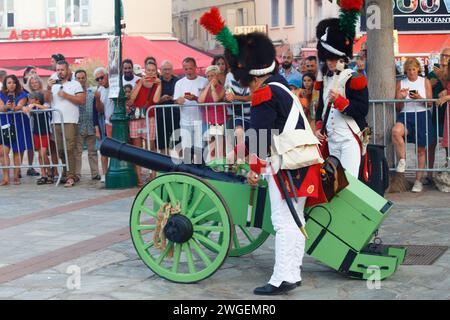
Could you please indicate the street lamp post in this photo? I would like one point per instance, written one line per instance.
(121, 175)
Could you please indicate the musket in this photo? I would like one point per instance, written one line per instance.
(288, 199)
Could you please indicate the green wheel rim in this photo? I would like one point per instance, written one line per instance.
(247, 240)
(201, 256)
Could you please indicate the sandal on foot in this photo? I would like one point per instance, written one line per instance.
(4, 183)
(69, 183)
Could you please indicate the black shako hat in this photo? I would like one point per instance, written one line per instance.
(256, 57)
(332, 42)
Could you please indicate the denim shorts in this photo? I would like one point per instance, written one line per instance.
(425, 129)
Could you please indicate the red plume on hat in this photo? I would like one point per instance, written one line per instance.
(212, 21)
(351, 5)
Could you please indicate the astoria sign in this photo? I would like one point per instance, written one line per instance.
(42, 34)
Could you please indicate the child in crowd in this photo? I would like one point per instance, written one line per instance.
(41, 132)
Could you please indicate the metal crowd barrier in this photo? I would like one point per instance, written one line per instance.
(434, 138)
(167, 124)
(17, 137)
(214, 125)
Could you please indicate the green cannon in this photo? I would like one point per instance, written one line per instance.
(186, 222)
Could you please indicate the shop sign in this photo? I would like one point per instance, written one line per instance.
(42, 34)
(419, 16)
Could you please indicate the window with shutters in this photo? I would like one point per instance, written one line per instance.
(7, 14)
(275, 13)
(289, 12)
(240, 17)
(52, 13)
(77, 12)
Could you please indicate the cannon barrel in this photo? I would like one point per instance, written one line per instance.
(161, 163)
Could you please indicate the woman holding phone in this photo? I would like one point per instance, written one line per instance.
(415, 119)
(12, 100)
(146, 94)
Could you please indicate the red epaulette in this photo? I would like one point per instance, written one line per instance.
(318, 85)
(261, 95)
(358, 82)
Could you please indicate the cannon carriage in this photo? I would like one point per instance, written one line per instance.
(186, 222)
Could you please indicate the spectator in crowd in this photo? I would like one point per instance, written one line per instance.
(444, 99)
(361, 61)
(311, 65)
(67, 97)
(87, 129)
(309, 97)
(128, 73)
(224, 68)
(295, 86)
(413, 88)
(302, 67)
(214, 116)
(288, 71)
(239, 115)
(146, 94)
(12, 101)
(187, 91)
(56, 58)
(29, 71)
(3, 74)
(41, 129)
(150, 59)
(137, 70)
(168, 121)
(105, 108)
(438, 78)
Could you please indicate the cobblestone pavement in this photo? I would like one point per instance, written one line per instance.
(46, 225)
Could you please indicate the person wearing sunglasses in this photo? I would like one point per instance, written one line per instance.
(105, 108)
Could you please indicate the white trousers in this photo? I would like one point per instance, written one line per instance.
(289, 241)
(348, 151)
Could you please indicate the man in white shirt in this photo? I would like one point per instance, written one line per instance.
(105, 106)
(67, 96)
(128, 73)
(187, 91)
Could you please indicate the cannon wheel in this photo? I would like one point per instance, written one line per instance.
(199, 257)
(247, 240)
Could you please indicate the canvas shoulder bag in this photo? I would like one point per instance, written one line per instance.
(295, 148)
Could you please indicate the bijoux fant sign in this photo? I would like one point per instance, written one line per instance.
(42, 34)
(420, 15)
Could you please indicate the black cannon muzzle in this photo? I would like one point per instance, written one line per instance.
(161, 163)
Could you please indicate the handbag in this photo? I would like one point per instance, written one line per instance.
(295, 148)
(8, 132)
(334, 179)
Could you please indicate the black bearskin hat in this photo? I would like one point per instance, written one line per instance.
(332, 42)
(256, 52)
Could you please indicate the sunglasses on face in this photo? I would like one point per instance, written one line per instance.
(100, 78)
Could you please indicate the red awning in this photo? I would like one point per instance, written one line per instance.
(139, 48)
(38, 53)
(420, 45)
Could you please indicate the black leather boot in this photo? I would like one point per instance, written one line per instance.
(270, 290)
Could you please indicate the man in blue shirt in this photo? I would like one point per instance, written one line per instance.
(287, 70)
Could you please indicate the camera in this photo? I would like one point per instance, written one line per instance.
(58, 81)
